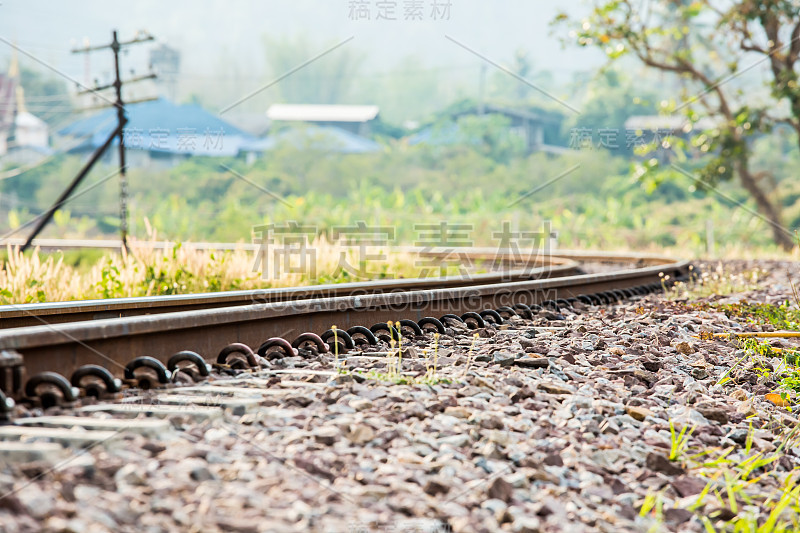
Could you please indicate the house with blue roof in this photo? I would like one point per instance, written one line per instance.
(341, 129)
(160, 132)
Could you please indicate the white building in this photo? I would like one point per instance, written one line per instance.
(30, 131)
(31, 140)
(24, 138)
(353, 118)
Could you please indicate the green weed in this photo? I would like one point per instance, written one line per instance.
(679, 441)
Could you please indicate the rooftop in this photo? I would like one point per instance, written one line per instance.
(162, 126)
(322, 113)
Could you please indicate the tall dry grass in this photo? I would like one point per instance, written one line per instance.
(148, 270)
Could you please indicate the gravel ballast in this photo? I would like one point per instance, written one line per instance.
(562, 423)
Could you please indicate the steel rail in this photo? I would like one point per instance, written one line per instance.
(25, 315)
(112, 342)
(565, 264)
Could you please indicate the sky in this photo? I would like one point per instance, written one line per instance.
(209, 31)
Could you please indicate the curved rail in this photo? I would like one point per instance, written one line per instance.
(25, 315)
(112, 342)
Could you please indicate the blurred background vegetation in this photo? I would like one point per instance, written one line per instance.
(598, 205)
(594, 197)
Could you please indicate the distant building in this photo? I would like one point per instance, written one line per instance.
(24, 138)
(30, 130)
(31, 139)
(539, 131)
(161, 133)
(353, 118)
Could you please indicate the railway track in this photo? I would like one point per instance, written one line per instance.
(25, 315)
(97, 349)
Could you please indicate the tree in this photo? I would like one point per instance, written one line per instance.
(613, 98)
(712, 47)
(327, 80)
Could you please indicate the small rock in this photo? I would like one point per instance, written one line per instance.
(739, 394)
(504, 358)
(410, 353)
(645, 375)
(37, 502)
(458, 411)
(526, 343)
(652, 365)
(457, 441)
(746, 408)
(638, 412)
(487, 421)
(523, 393)
(685, 348)
(154, 448)
(763, 445)
(716, 414)
(739, 436)
(677, 516)
(201, 473)
(533, 362)
(130, 474)
(659, 463)
(599, 344)
(360, 434)
(553, 459)
(721, 513)
(526, 525)
(362, 404)
(687, 486)
(497, 507)
(555, 388)
(326, 435)
(434, 487)
(500, 489)
(299, 400)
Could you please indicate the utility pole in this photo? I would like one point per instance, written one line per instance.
(115, 46)
(121, 119)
